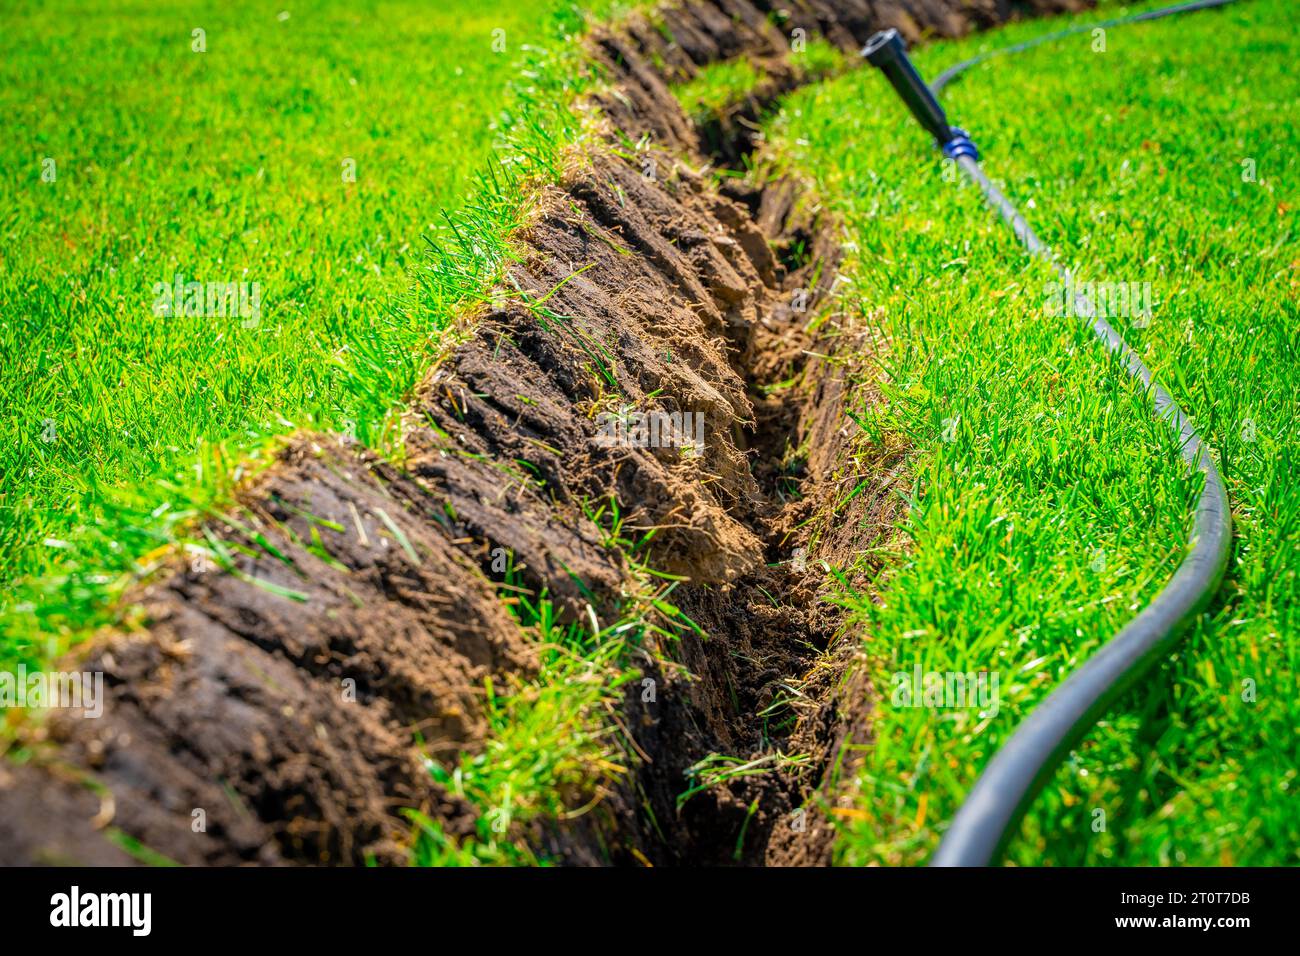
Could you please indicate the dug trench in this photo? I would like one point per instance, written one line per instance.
(290, 694)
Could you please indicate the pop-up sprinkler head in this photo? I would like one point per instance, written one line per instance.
(885, 50)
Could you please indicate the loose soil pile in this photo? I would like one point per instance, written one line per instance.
(291, 721)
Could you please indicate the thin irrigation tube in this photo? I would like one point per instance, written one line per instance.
(950, 74)
(984, 823)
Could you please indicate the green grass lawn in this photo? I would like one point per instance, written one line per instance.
(1045, 507)
(722, 85)
(304, 155)
(319, 154)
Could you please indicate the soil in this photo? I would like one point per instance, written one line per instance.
(285, 701)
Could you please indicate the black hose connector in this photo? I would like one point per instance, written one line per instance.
(886, 51)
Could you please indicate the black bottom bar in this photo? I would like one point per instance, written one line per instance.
(581, 908)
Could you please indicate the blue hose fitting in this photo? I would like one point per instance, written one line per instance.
(960, 145)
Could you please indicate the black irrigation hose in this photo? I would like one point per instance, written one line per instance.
(1013, 777)
(950, 74)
